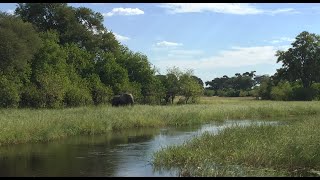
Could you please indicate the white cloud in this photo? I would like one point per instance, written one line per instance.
(282, 39)
(242, 56)
(226, 8)
(10, 11)
(168, 44)
(120, 37)
(231, 58)
(179, 53)
(124, 12)
(282, 11)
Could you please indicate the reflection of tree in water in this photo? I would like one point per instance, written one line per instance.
(74, 156)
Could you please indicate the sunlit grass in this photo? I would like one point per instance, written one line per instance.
(32, 125)
(285, 150)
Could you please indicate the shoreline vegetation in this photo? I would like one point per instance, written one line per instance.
(40, 125)
(286, 150)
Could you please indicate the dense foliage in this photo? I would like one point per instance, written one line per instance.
(53, 55)
(297, 79)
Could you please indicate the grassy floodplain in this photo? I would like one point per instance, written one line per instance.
(33, 125)
(256, 150)
(292, 149)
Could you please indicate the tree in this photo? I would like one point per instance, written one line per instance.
(81, 25)
(283, 91)
(111, 73)
(217, 84)
(138, 68)
(182, 83)
(232, 86)
(79, 59)
(302, 61)
(259, 78)
(9, 92)
(49, 71)
(265, 87)
(199, 80)
(18, 44)
(190, 87)
(173, 84)
(101, 94)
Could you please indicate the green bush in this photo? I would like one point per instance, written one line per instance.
(304, 94)
(181, 100)
(243, 93)
(77, 97)
(316, 88)
(231, 93)
(194, 100)
(209, 92)
(101, 94)
(281, 92)
(32, 97)
(149, 100)
(9, 92)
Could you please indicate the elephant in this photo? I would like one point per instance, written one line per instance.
(122, 99)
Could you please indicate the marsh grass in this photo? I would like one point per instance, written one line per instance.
(34, 125)
(285, 150)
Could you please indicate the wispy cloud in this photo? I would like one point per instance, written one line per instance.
(121, 38)
(124, 12)
(242, 56)
(180, 53)
(226, 8)
(282, 40)
(231, 58)
(10, 11)
(282, 11)
(167, 44)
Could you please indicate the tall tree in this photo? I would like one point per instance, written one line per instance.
(18, 44)
(81, 25)
(189, 86)
(302, 60)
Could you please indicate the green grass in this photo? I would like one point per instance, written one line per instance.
(285, 150)
(33, 125)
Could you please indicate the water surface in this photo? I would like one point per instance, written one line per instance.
(126, 153)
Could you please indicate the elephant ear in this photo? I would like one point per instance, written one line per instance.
(132, 97)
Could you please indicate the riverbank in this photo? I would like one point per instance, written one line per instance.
(34, 125)
(284, 150)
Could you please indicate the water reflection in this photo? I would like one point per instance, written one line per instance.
(126, 153)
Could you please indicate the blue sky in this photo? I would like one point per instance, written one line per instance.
(213, 39)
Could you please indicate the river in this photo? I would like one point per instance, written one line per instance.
(122, 153)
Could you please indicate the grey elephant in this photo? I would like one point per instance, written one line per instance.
(122, 99)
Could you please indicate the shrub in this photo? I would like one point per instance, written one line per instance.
(77, 96)
(32, 97)
(9, 92)
(209, 92)
(181, 100)
(101, 94)
(316, 88)
(304, 94)
(283, 91)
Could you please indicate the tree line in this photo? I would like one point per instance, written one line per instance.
(53, 55)
(297, 79)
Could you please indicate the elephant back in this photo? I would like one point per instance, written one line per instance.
(129, 98)
(122, 99)
(116, 100)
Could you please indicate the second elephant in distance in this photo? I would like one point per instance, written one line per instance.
(122, 100)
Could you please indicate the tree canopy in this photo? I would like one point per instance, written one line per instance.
(302, 60)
